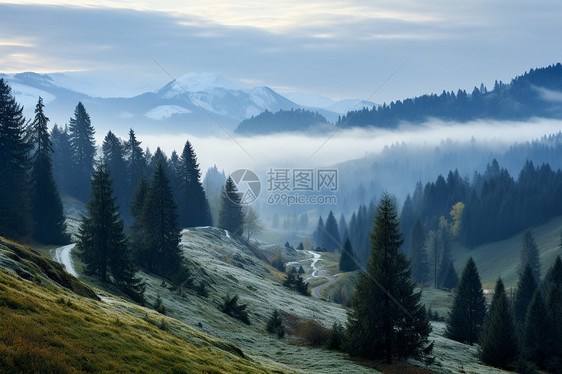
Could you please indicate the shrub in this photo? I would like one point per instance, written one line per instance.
(278, 262)
(275, 324)
(313, 333)
(295, 282)
(159, 305)
(337, 335)
(231, 307)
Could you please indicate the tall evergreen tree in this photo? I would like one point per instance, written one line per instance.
(136, 230)
(62, 159)
(231, 216)
(348, 262)
(161, 234)
(102, 241)
(467, 315)
(332, 238)
(320, 233)
(537, 343)
(526, 288)
(342, 225)
(48, 217)
(82, 141)
(498, 343)
(136, 163)
(530, 255)
(387, 319)
(418, 256)
(192, 201)
(113, 156)
(15, 205)
(447, 276)
(552, 286)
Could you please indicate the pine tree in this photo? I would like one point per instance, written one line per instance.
(467, 315)
(15, 206)
(161, 234)
(113, 156)
(332, 235)
(48, 216)
(192, 201)
(231, 216)
(82, 141)
(136, 232)
(343, 227)
(62, 159)
(447, 276)
(526, 288)
(136, 163)
(348, 262)
(387, 319)
(418, 256)
(102, 241)
(320, 233)
(537, 344)
(552, 286)
(530, 255)
(498, 343)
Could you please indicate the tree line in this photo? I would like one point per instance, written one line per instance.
(495, 205)
(517, 100)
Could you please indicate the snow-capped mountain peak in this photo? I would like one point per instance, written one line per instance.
(197, 82)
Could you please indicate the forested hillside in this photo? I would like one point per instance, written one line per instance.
(533, 94)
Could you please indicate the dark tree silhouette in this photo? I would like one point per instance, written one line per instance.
(348, 262)
(498, 343)
(231, 216)
(48, 217)
(467, 315)
(82, 141)
(387, 319)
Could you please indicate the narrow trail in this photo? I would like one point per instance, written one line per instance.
(62, 256)
(315, 292)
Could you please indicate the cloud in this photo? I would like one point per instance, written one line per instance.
(339, 49)
(296, 150)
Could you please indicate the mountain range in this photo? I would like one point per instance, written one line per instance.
(195, 103)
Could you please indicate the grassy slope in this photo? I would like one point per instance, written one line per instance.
(502, 258)
(48, 328)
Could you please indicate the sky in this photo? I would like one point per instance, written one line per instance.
(376, 50)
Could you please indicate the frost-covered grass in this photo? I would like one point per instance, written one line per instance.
(50, 322)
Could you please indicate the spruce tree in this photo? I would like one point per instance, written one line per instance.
(102, 241)
(348, 262)
(113, 156)
(537, 343)
(342, 225)
(136, 230)
(552, 286)
(387, 319)
(467, 315)
(418, 256)
(498, 342)
(231, 216)
(192, 201)
(320, 233)
(161, 235)
(15, 205)
(530, 255)
(48, 218)
(526, 288)
(82, 141)
(332, 235)
(136, 163)
(62, 159)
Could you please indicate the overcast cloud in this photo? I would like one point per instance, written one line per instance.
(340, 49)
